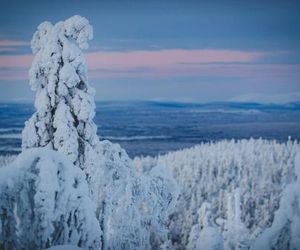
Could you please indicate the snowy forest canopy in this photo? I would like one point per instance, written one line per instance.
(69, 188)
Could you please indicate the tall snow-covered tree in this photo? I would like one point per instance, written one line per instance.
(63, 121)
(64, 102)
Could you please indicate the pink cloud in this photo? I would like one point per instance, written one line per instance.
(166, 58)
(12, 43)
(163, 63)
(258, 71)
(16, 61)
(7, 49)
(17, 74)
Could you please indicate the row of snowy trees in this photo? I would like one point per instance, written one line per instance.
(232, 192)
(67, 187)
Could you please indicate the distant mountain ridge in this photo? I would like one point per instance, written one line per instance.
(209, 106)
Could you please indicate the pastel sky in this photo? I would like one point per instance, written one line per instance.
(195, 51)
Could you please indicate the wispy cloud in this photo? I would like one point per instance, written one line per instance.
(13, 74)
(166, 58)
(7, 49)
(268, 98)
(12, 46)
(15, 61)
(163, 63)
(260, 72)
(13, 43)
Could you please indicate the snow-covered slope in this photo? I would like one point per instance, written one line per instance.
(242, 181)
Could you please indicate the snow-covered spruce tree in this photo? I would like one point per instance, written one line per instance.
(44, 201)
(132, 209)
(64, 99)
(63, 122)
(205, 235)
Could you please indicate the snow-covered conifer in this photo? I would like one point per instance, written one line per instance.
(132, 209)
(205, 235)
(44, 201)
(64, 99)
(63, 122)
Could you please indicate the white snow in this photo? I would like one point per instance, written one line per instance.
(45, 201)
(284, 233)
(122, 195)
(244, 182)
(6, 159)
(64, 247)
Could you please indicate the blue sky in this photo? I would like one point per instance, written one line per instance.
(167, 50)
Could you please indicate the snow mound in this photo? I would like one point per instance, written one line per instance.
(44, 201)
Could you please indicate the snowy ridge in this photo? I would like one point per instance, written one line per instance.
(241, 181)
(137, 138)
